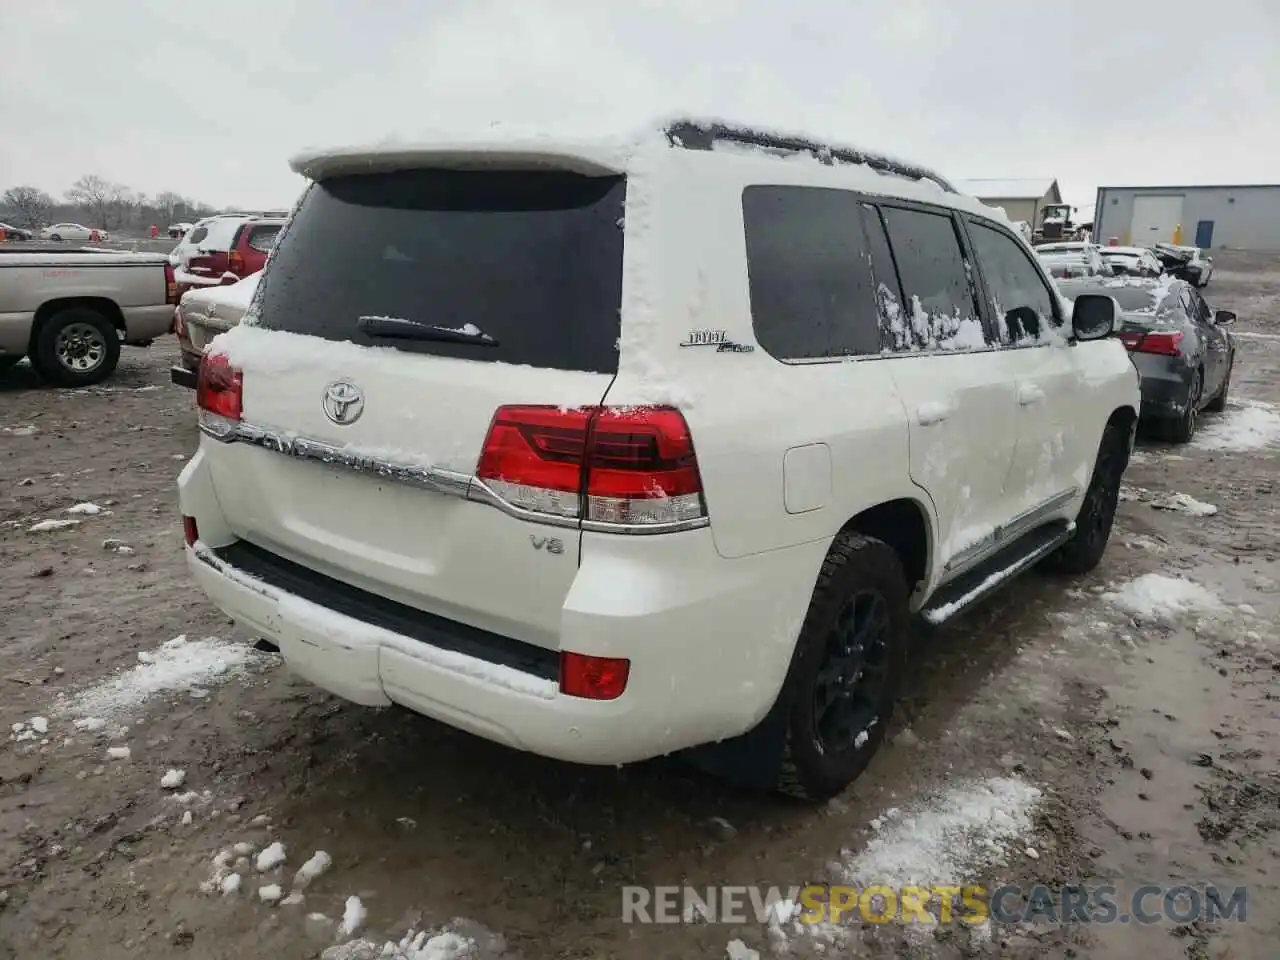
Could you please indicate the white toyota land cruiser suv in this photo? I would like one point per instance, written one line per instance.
(608, 453)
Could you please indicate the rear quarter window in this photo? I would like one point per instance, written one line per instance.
(263, 239)
(809, 273)
(521, 267)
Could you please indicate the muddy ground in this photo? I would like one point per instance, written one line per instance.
(1148, 737)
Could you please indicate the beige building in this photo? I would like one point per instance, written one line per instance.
(1022, 199)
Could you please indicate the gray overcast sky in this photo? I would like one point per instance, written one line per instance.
(210, 99)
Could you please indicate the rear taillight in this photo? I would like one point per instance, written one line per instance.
(1167, 344)
(219, 393)
(235, 263)
(170, 284)
(593, 678)
(190, 532)
(632, 466)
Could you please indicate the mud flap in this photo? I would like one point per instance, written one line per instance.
(751, 761)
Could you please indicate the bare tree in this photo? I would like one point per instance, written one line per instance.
(170, 203)
(30, 205)
(101, 198)
(123, 204)
(94, 194)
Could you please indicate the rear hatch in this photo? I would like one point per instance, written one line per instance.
(251, 245)
(439, 295)
(205, 251)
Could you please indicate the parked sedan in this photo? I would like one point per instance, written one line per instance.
(71, 231)
(1132, 261)
(13, 233)
(1181, 347)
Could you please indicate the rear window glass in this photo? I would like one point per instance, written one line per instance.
(520, 267)
(1132, 298)
(219, 234)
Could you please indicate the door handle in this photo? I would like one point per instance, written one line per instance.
(928, 414)
(1029, 393)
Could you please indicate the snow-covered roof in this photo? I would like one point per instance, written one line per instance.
(599, 153)
(1027, 188)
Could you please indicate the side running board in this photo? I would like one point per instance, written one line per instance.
(984, 579)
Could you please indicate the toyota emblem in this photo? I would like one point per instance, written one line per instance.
(343, 402)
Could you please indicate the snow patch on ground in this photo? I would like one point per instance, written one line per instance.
(948, 838)
(177, 664)
(271, 857)
(353, 916)
(945, 839)
(1184, 503)
(1246, 425)
(318, 864)
(1155, 595)
(44, 526)
(85, 510)
(459, 940)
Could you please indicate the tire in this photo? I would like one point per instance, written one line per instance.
(1097, 515)
(861, 583)
(1219, 403)
(1183, 428)
(56, 238)
(75, 348)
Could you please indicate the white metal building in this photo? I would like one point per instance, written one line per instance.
(1022, 199)
(1237, 217)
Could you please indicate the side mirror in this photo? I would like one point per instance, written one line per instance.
(1224, 317)
(1093, 317)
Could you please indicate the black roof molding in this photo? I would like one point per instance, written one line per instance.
(703, 135)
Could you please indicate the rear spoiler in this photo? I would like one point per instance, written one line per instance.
(590, 160)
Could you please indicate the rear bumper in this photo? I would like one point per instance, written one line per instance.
(709, 641)
(1165, 385)
(146, 324)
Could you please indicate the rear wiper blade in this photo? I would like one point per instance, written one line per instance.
(399, 329)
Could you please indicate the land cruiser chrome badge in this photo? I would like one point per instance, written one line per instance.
(343, 402)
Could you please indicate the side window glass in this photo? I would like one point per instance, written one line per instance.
(888, 290)
(809, 273)
(1184, 298)
(1021, 301)
(939, 310)
(1202, 311)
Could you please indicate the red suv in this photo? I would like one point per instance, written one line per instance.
(220, 245)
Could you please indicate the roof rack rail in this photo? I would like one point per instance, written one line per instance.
(699, 135)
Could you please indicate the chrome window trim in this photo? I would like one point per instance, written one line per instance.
(438, 479)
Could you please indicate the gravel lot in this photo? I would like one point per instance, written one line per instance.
(1061, 733)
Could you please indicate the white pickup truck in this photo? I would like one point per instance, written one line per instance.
(71, 311)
